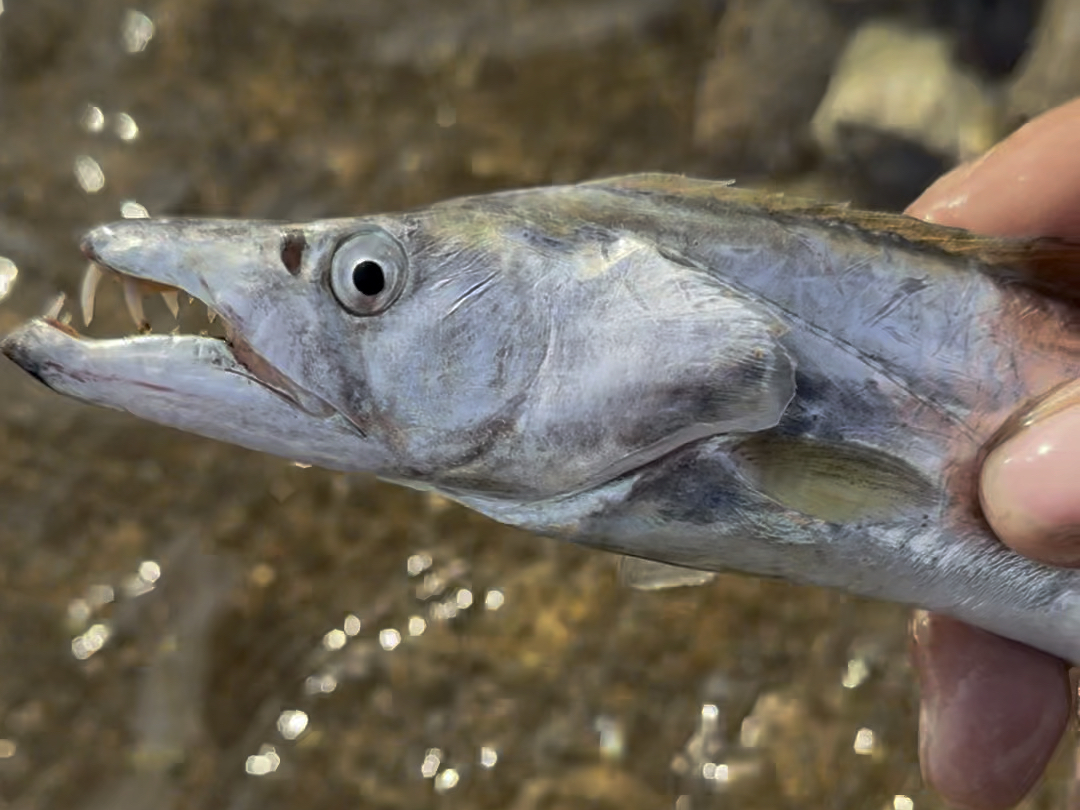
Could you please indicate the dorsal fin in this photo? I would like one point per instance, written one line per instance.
(1047, 264)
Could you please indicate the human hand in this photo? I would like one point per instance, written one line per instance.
(994, 710)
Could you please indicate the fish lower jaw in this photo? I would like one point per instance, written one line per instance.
(54, 352)
(208, 326)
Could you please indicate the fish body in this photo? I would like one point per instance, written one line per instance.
(669, 369)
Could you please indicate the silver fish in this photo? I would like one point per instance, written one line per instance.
(666, 368)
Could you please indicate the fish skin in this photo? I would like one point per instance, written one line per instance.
(666, 368)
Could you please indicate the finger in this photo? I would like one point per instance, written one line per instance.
(1030, 489)
(1028, 185)
(993, 711)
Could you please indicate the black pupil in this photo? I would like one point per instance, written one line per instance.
(368, 278)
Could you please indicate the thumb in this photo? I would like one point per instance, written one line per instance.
(1030, 489)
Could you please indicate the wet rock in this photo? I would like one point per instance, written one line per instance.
(1050, 72)
(754, 105)
(904, 81)
(899, 110)
(989, 36)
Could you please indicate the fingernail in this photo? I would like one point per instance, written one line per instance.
(949, 192)
(1031, 489)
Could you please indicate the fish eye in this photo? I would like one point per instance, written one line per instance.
(367, 272)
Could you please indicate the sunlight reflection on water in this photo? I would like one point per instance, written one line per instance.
(8, 273)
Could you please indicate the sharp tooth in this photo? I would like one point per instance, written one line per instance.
(90, 282)
(211, 315)
(172, 301)
(52, 312)
(133, 300)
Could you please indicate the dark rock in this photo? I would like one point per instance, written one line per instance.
(757, 94)
(991, 35)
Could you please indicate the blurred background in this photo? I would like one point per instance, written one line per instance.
(188, 625)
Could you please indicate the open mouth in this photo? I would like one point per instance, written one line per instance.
(197, 318)
(134, 292)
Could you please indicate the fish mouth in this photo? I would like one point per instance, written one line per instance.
(30, 347)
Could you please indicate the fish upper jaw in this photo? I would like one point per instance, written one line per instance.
(220, 387)
(196, 257)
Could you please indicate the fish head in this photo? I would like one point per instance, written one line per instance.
(486, 348)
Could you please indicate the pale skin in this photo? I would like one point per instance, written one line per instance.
(993, 710)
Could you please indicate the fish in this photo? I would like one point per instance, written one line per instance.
(697, 377)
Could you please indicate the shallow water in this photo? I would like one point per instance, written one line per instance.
(188, 625)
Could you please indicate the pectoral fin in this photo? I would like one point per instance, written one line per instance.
(833, 481)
